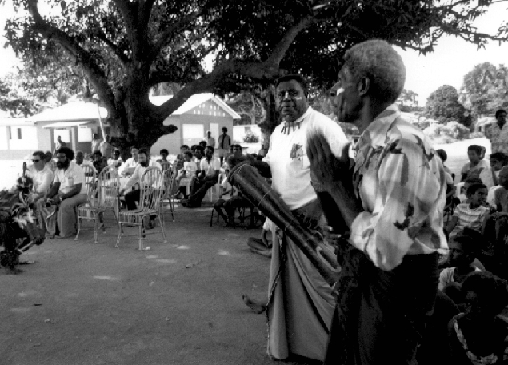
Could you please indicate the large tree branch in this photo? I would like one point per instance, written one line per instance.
(255, 70)
(130, 18)
(116, 50)
(175, 28)
(144, 12)
(94, 73)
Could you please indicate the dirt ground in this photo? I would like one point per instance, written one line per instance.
(178, 303)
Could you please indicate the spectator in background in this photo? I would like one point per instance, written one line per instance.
(210, 141)
(49, 161)
(188, 171)
(472, 214)
(500, 198)
(224, 142)
(42, 176)
(129, 166)
(133, 196)
(59, 143)
(99, 161)
(497, 161)
(463, 252)
(116, 160)
(479, 335)
(96, 142)
(68, 191)
(80, 160)
(497, 133)
(202, 144)
(163, 161)
(477, 166)
(106, 148)
(207, 177)
(450, 186)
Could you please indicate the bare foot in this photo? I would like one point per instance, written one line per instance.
(258, 308)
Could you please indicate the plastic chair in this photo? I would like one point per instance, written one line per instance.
(102, 198)
(167, 179)
(151, 189)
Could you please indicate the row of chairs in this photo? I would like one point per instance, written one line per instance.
(103, 195)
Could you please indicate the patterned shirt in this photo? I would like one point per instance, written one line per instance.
(498, 137)
(402, 185)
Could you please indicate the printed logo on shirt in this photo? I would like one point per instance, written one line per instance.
(296, 151)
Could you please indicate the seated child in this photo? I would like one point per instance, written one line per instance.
(477, 166)
(463, 251)
(479, 335)
(500, 198)
(497, 161)
(472, 213)
(462, 188)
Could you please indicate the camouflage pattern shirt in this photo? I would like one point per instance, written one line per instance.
(402, 185)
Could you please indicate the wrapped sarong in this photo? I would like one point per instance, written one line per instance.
(300, 306)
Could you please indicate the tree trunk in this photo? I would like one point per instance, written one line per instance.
(272, 118)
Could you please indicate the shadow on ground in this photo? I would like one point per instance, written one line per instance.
(179, 303)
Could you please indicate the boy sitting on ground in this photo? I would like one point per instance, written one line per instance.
(472, 214)
(463, 251)
(477, 166)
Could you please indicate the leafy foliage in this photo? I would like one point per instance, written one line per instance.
(443, 105)
(15, 104)
(485, 89)
(125, 48)
(248, 106)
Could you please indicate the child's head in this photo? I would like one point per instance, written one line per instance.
(464, 248)
(486, 295)
(442, 155)
(503, 177)
(470, 181)
(474, 153)
(477, 194)
(498, 160)
(187, 156)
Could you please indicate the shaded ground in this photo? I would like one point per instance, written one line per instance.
(82, 303)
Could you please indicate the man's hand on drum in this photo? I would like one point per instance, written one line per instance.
(328, 169)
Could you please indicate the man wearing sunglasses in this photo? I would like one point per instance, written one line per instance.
(68, 191)
(42, 176)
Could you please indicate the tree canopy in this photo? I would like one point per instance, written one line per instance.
(443, 105)
(485, 89)
(125, 48)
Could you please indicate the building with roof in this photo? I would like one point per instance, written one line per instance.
(78, 120)
(200, 113)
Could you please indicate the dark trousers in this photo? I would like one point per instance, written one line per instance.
(131, 198)
(201, 187)
(229, 206)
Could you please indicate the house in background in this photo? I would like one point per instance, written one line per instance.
(75, 122)
(78, 120)
(201, 112)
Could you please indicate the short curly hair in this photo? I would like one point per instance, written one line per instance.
(69, 153)
(376, 60)
(492, 291)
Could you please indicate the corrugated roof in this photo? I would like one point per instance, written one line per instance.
(194, 101)
(72, 112)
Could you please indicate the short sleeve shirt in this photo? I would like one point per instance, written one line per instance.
(209, 167)
(498, 137)
(70, 177)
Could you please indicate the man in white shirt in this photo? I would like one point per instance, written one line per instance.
(128, 167)
(206, 178)
(80, 160)
(116, 161)
(42, 176)
(68, 191)
(210, 141)
(133, 195)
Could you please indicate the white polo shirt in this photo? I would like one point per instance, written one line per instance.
(70, 177)
(209, 167)
(287, 157)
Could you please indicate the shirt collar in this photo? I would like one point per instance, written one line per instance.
(289, 127)
(379, 127)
